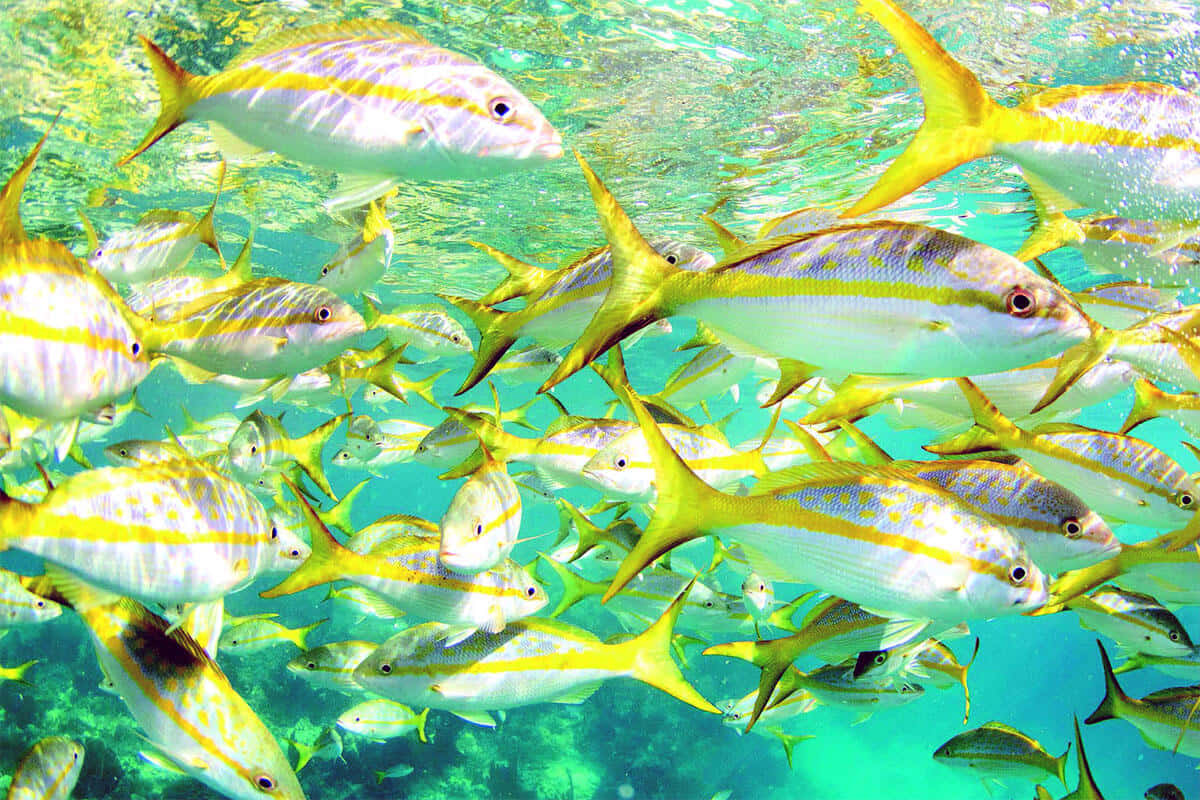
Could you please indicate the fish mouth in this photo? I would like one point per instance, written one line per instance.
(550, 150)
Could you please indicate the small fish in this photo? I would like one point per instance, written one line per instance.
(1136, 622)
(713, 371)
(48, 771)
(257, 635)
(1166, 719)
(362, 104)
(532, 661)
(360, 263)
(397, 771)
(527, 365)
(364, 603)
(161, 299)
(17, 673)
(392, 527)
(328, 746)
(160, 243)
(482, 523)
(429, 329)
(261, 443)
(19, 606)
(380, 720)
(180, 698)
(758, 596)
(996, 751)
(1185, 667)
(835, 685)
(331, 666)
(1119, 477)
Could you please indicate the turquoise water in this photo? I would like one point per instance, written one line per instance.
(760, 108)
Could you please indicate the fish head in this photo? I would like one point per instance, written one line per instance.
(287, 550)
(1005, 581)
(757, 593)
(1037, 311)
(1086, 540)
(473, 528)
(622, 468)
(529, 595)
(490, 127)
(683, 255)
(364, 439)
(325, 324)
(263, 771)
(247, 450)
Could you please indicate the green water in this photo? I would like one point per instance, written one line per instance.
(760, 107)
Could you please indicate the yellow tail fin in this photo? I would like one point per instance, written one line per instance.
(175, 95)
(11, 229)
(1075, 362)
(495, 337)
(307, 452)
(1146, 398)
(772, 657)
(575, 587)
(522, 278)
(1051, 232)
(957, 113)
(204, 225)
(327, 561)
(299, 636)
(649, 655)
(339, 516)
(634, 300)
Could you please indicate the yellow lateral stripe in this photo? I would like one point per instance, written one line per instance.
(170, 236)
(13, 325)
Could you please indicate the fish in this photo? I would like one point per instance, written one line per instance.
(380, 720)
(17, 673)
(19, 606)
(391, 527)
(360, 263)
(1150, 402)
(261, 443)
(328, 745)
(1122, 304)
(331, 665)
(1166, 719)
(711, 372)
(48, 771)
(395, 771)
(363, 602)
(794, 527)
(835, 685)
(480, 527)
(996, 751)
(68, 343)
(533, 660)
(254, 636)
(1129, 149)
(1136, 622)
(1185, 667)
(1164, 791)
(407, 572)
(937, 304)
(558, 303)
(527, 365)
(366, 98)
(427, 328)
(392, 441)
(170, 532)
(1119, 477)
(758, 596)
(161, 299)
(264, 328)
(162, 242)
(1167, 568)
(180, 698)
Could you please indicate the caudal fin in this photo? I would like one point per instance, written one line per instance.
(575, 587)
(339, 516)
(522, 278)
(495, 338)
(307, 452)
(11, 229)
(772, 657)
(636, 297)
(650, 661)
(1146, 400)
(204, 225)
(1114, 697)
(175, 95)
(326, 562)
(957, 113)
(992, 429)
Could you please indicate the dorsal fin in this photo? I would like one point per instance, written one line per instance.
(11, 229)
(325, 32)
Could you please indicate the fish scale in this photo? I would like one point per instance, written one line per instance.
(171, 532)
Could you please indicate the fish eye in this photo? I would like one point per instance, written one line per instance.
(295, 553)
(501, 110)
(708, 603)
(324, 270)
(762, 587)
(880, 658)
(1017, 575)
(1020, 302)
(531, 591)
(672, 258)
(253, 449)
(479, 529)
(98, 252)
(323, 314)
(1184, 500)
(621, 463)
(136, 349)
(123, 453)
(1173, 636)
(312, 665)
(274, 533)
(1072, 528)
(385, 669)
(456, 338)
(42, 604)
(233, 641)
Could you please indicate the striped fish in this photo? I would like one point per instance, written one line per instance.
(532, 661)
(360, 263)
(161, 299)
(160, 243)
(255, 635)
(482, 522)
(1131, 149)
(426, 328)
(1058, 530)
(331, 666)
(171, 532)
(265, 328)
(367, 98)
(929, 660)
(48, 771)
(19, 606)
(1114, 246)
(558, 303)
(68, 343)
(1136, 622)
(181, 699)
(1119, 477)
(380, 720)
(903, 299)
(261, 443)
(833, 630)
(872, 535)
(407, 572)
(393, 440)
(713, 371)
(1166, 719)
(390, 528)
(835, 685)
(1166, 568)
(996, 751)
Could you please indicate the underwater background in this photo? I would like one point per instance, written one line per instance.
(757, 108)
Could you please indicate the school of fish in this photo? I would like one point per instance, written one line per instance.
(841, 573)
